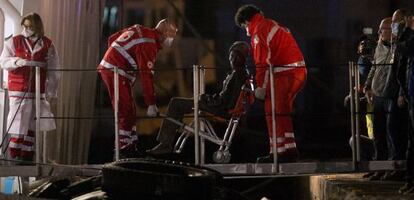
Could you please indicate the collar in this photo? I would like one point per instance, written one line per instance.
(254, 23)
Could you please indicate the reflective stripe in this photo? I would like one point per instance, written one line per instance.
(278, 140)
(19, 94)
(289, 66)
(125, 133)
(27, 148)
(290, 145)
(138, 41)
(269, 38)
(125, 54)
(29, 139)
(14, 145)
(269, 52)
(125, 140)
(281, 69)
(289, 135)
(123, 49)
(281, 149)
(120, 71)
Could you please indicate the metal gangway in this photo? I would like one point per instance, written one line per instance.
(229, 170)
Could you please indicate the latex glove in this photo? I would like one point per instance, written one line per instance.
(23, 62)
(152, 110)
(260, 93)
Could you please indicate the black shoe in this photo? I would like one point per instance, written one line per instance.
(407, 186)
(130, 151)
(393, 176)
(376, 176)
(160, 149)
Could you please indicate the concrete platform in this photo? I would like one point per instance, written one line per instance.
(352, 187)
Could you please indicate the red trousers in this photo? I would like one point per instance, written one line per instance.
(287, 84)
(126, 107)
(22, 146)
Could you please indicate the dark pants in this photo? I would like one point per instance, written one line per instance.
(177, 107)
(410, 150)
(390, 129)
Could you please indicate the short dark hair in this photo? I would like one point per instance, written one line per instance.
(245, 13)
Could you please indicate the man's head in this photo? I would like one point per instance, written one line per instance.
(384, 30)
(238, 53)
(245, 14)
(32, 25)
(168, 31)
(399, 19)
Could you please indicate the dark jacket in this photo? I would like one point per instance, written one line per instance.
(404, 55)
(225, 100)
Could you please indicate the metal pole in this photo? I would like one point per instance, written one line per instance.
(196, 87)
(357, 110)
(275, 167)
(116, 104)
(351, 102)
(202, 125)
(37, 102)
(44, 150)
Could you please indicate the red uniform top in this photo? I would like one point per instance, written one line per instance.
(18, 79)
(133, 50)
(272, 45)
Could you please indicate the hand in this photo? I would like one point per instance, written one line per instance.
(346, 100)
(23, 62)
(369, 95)
(260, 93)
(401, 101)
(152, 111)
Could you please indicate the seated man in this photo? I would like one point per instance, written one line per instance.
(217, 104)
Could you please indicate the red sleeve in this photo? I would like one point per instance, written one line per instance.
(114, 36)
(261, 50)
(146, 55)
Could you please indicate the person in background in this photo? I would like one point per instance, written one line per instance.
(21, 55)
(404, 62)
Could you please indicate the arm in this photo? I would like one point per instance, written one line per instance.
(8, 59)
(146, 55)
(52, 77)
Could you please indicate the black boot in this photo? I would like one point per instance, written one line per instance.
(130, 151)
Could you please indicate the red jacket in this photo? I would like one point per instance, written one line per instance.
(131, 49)
(18, 79)
(274, 45)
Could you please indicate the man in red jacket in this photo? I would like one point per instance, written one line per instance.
(274, 45)
(133, 51)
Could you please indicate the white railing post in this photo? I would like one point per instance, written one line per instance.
(116, 113)
(38, 138)
(351, 103)
(202, 87)
(275, 167)
(196, 87)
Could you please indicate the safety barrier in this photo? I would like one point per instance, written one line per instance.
(247, 169)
